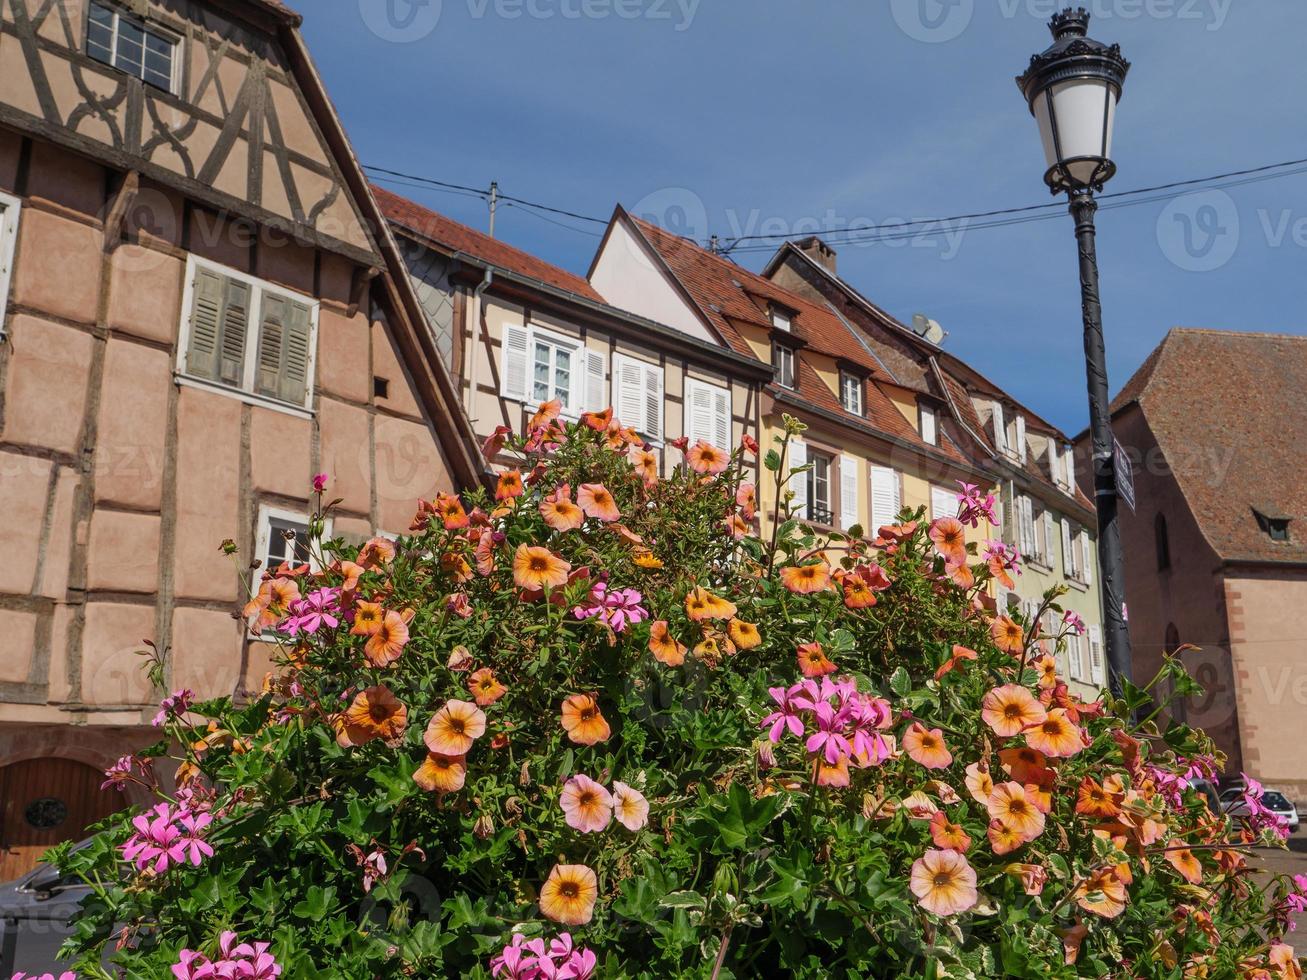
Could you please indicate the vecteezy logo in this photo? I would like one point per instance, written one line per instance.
(1199, 232)
(933, 21)
(401, 21)
(676, 210)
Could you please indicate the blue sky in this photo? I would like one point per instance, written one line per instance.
(735, 117)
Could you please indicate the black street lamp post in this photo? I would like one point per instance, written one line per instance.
(1073, 89)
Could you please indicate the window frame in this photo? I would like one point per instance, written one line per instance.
(816, 509)
(263, 536)
(924, 412)
(851, 381)
(10, 214)
(782, 354)
(172, 38)
(580, 378)
(687, 410)
(258, 289)
(781, 320)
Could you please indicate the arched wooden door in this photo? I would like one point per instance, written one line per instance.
(44, 802)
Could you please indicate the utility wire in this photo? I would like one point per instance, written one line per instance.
(485, 193)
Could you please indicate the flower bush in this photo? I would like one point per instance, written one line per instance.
(592, 725)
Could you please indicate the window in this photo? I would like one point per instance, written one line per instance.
(1027, 539)
(708, 413)
(886, 496)
(539, 365)
(1163, 542)
(1096, 654)
(1277, 528)
(638, 395)
(120, 40)
(8, 236)
(244, 334)
(819, 496)
(782, 358)
(780, 319)
(283, 537)
(929, 425)
(851, 392)
(943, 503)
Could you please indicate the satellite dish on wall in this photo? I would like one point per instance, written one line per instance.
(927, 329)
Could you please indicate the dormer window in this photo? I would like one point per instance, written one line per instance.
(929, 425)
(115, 38)
(851, 392)
(780, 319)
(782, 359)
(1276, 528)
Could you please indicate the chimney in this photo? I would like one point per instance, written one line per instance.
(818, 251)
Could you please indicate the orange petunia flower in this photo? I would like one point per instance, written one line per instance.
(947, 835)
(1094, 800)
(451, 512)
(706, 459)
(376, 553)
(960, 656)
(509, 486)
(857, 593)
(561, 514)
(367, 618)
(746, 498)
(744, 635)
(1104, 894)
(943, 882)
(813, 661)
(1056, 735)
(441, 773)
(1008, 636)
(597, 502)
(374, 713)
(454, 728)
(546, 413)
(950, 539)
(980, 784)
(582, 720)
(962, 575)
(536, 569)
(272, 603)
(598, 421)
(1033, 877)
(646, 559)
(665, 647)
(1011, 709)
(568, 894)
(387, 641)
(736, 526)
(1024, 764)
(646, 466)
(926, 747)
(702, 604)
(1186, 863)
(835, 775)
(709, 649)
(485, 687)
(1009, 804)
(1047, 667)
(1002, 838)
(806, 579)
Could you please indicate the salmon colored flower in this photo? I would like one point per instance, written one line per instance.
(451, 512)
(597, 502)
(441, 773)
(1009, 804)
(1011, 709)
(598, 421)
(561, 514)
(587, 806)
(568, 894)
(744, 635)
(387, 642)
(630, 807)
(1008, 636)
(536, 569)
(1095, 800)
(455, 727)
(737, 527)
(709, 649)
(546, 413)
(1055, 736)
(1033, 877)
(702, 604)
(1186, 864)
(806, 579)
(962, 575)
(948, 836)
(376, 553)
(1024, 764)
(1002, 838)
(1281, 956)
(961, 654)
(1104, 894)
(665, 647)
(813, 661)
(746, 498)
(834, 774)
(950, 540)
(485, 687)
(943, 882)
(509, 486)
(1047, 668)
(272, 603)
(706, 459)
(582, 720)
(926, 747)
(980, 784)
(374, 713)
(367, 618)
(646, 466)
(857, 593)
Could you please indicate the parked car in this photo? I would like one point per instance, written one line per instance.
(36, 913)
(1232, 803)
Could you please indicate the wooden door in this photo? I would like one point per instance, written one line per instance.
(44, 802)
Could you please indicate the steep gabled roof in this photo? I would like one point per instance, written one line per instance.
(1227, 411)
(450, 236)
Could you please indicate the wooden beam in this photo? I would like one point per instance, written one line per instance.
(118, 208)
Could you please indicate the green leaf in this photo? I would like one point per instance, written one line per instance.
(684, 900)
(900, 682)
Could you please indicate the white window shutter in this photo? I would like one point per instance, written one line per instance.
(929, 429)
(1068, 555)
(628, 392)
(1054, 463)
(596, 387)
(1021, 438)
(943, 503)
(884, 496)
(515, 364)
(653, 397)
(1070, 458)
(1087, 561)
(1096, 653)
(1000, 427)
(1050, 535)
(799, 484)
(850, 505)
(721, 418)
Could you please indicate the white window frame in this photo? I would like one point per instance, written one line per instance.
(648, 372)
(827, 506)
(258, 289)
(852, 385)
(781, 320)
(263, 535)
(783, 354)
(119, 15)
(584, 372)
(580, 377)
(8, 248)
(687, 408)
(929, 424)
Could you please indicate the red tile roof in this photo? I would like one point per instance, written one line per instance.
(445, 233)
(1228, 413)
(281, 10)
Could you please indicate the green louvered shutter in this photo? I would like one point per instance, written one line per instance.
(205, 325)
(235, 325)
(272, 345)
(295, 354)
(284, 340)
